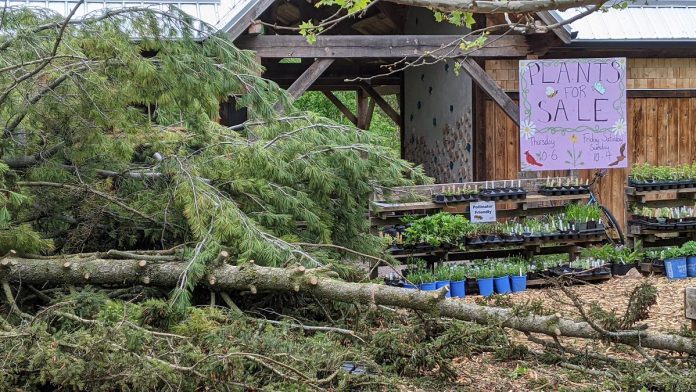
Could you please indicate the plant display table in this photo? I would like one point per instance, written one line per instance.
(517, 232)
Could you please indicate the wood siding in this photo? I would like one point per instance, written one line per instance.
(668, 73)
(660, 131)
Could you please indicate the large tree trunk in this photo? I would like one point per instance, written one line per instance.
(76, 271)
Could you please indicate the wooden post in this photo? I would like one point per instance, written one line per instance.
(363, 104)
(690, 305)
(384, 105)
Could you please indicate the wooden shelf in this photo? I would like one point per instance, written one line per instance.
(653, 236)
(385, 213)
(570, 246)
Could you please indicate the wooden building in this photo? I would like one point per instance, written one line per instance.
(464, 127)
(660, 45)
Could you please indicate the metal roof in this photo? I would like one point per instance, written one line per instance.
(670, 21)
(221, 14)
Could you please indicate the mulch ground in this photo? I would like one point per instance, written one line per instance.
(485, 373)
(667, 315)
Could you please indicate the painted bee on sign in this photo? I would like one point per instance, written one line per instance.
(551, 92)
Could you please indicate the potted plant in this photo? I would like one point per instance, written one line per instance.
(689, 250)
(518, 276)
(442, 279)
(484, 280)
(624, 259)
(458, 276)
(675, 263)
(501, 278)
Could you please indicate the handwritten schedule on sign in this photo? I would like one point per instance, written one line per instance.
(573, 114)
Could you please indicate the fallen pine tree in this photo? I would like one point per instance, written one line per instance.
(87, 270)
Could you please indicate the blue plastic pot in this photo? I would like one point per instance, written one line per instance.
(458, 289)
(675, 268)
(485, 286)
(428, 286)
(691, 266)
(502, 284)
(409, 286)
(443, 283)
(518, 283)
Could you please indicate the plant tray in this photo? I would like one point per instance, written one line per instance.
(661, 185)
(662, 226)
(564, 190)
(503, 194)
(461, 198)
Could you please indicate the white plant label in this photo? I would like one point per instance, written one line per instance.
(482, 211)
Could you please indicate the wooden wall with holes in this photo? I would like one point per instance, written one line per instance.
(661, 124)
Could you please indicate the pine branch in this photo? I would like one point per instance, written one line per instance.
(103, 195)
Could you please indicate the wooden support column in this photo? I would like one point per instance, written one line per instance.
(491, 88)
(341, 107)
(365, 109)
(384, 105)
(479, 130)
(309, 76)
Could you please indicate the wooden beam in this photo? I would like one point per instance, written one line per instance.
(381, 46)
(341, 107)
(560, 31)
(491, 88)
(384, 105)
(309, 76)
(236, 27)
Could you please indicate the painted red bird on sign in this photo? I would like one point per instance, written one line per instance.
(530, 159)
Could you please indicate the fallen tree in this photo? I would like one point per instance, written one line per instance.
(250, 277)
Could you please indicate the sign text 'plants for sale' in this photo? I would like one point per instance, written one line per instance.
(573, 114)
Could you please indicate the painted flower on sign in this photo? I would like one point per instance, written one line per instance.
(573, 138)
(619, 127)
(527, 129)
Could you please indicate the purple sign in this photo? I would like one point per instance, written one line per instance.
(573, 114)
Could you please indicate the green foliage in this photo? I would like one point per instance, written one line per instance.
(438, 229)
(382, 128)
(577, 212)
(124, 150)
(614, 254)
(689, 248)
(643, 172)
(431, 346)
(672, 253)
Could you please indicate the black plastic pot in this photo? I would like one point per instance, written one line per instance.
(622, 269)
(471, 286)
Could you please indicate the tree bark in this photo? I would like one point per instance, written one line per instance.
(82, 271)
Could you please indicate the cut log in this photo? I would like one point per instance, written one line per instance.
(42, 272)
